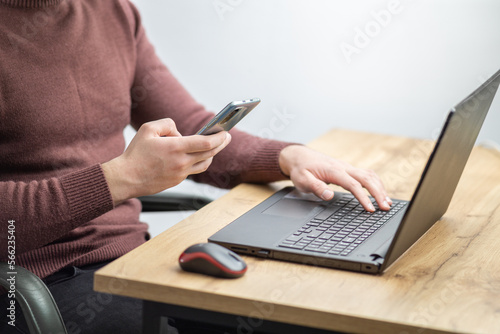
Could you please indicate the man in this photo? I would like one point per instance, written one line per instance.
(73, 74)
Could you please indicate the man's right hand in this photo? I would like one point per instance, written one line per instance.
(159, 157)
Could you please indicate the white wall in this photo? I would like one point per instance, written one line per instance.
(419, 61)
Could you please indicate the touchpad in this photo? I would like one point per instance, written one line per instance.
(293, 208)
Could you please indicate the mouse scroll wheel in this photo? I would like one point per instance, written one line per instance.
(235, 257)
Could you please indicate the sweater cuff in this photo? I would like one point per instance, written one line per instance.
(266, 163)
(87, 193)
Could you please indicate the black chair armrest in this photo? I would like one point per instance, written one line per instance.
(39, 308)
(169, 201)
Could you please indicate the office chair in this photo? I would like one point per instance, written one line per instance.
(39, 308)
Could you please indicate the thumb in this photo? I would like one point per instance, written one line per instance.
(311, 184)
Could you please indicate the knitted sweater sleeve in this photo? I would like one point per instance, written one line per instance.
(156, 94)
(35, 213)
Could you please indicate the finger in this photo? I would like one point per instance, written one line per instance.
(362, 197)
(349, 183)
(374, 185)
(199, 143)
(200, 156)
(160, 128)
(201, 166)
(308, 183)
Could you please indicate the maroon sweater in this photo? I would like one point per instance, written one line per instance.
(73, 74)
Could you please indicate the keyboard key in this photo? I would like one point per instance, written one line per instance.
(315, 233)
(291, 246)
(293, 238)
(349, 240)
(327, 212)
(317, 250)
(343, 226)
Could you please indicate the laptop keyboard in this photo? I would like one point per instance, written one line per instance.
(340, 228)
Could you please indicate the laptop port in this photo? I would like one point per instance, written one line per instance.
(239, 249)
(263, 253)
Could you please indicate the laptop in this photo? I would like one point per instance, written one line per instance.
(301, 228)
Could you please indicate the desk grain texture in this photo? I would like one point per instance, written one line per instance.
(448, 282)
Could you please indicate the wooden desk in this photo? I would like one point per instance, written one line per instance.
(448, 282)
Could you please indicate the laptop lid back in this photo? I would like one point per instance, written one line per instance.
(444, 168)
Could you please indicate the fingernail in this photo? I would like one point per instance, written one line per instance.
(386, 204)
(371, 207)
(388, 199)
(327, 194)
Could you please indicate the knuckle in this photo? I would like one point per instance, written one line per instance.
(146, 127)
(369, 176)
(206, 164)
(179, 164)
(206, 145)
(169, 122)
(177, 146)
(354, 184)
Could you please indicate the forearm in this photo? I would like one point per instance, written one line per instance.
(46, 210)
(247, 159)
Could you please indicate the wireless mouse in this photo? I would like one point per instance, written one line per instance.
(212, 259)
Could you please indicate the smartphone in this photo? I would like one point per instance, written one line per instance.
(229, 116)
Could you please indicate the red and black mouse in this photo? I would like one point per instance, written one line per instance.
(212, 259)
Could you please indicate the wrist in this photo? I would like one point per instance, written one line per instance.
(286, 157)
(119, 183)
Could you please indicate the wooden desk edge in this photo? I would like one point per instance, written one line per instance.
(253, 309)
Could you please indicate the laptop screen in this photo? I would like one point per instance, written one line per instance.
(444, 168)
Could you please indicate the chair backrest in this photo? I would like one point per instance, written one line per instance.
(39, 308)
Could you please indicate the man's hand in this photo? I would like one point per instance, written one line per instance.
(159, 158)
(311, 171)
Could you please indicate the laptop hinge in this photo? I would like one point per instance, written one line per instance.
(377, 259)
